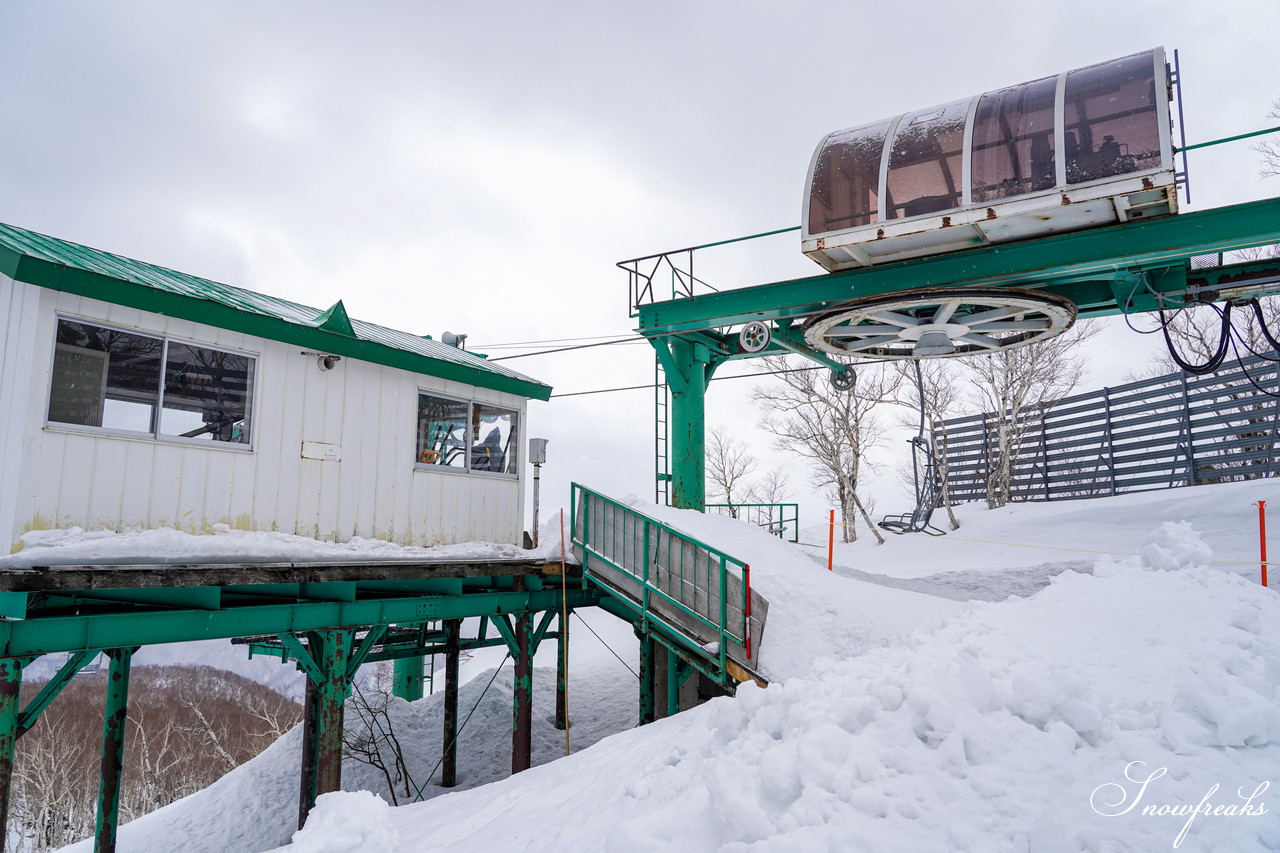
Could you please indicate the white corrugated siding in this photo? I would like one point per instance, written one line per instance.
(66, 478)
(19, 310)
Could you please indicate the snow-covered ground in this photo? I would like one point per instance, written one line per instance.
(1120, 701)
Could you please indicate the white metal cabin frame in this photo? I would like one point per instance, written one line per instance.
(1065, 205)
(332, 454)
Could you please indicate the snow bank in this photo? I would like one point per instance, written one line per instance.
(1015, 726)
(165, 545)
(347, 823)
(255, 806)
(1029, 534)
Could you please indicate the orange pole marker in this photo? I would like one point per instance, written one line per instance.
(1262, 538)
(831, 543)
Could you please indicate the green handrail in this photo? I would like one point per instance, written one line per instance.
(635, 544)
(762, 515)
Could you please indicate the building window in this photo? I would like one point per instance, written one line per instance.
(127, 382)
(467, 436)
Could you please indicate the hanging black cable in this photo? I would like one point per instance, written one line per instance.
(1215, 361)
(1262, 325)
(1245, 372)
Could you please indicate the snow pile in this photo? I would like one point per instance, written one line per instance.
(1029, 534)
(1013, 727)
(347, 823)
(75, 545)
(255, 806)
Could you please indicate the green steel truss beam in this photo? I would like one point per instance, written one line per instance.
(52, 688)
(1081, 266)
(43, 634)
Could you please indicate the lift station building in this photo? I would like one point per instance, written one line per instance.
(136, 396)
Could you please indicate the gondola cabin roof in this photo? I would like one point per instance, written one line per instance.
(1080, 149)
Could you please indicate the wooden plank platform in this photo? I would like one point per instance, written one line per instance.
(136, 575)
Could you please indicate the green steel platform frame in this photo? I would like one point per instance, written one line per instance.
(327, 617)
(1104, 271)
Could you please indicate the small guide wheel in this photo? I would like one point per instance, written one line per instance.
(755, 336)
(843, 380)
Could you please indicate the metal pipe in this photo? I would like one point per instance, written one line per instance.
(1226, 139)
(537, 471)
(708, 245)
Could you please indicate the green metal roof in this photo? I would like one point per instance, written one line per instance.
(60, 265)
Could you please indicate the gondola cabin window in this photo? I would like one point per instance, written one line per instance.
(135, 384)
(466, 436)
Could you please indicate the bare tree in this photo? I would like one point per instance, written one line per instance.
(772, 489)
(1017, 385)
(729, 461)
(831, 429)
(1270, 148)
(176, 715)
(371, 739)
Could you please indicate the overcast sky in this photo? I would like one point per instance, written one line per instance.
(480, 167)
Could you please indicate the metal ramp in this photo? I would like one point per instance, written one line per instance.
(692, 598)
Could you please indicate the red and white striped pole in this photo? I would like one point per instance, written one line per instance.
(1262, 538)
(831, 543)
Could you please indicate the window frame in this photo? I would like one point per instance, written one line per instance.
(154, 434)
(466, 470)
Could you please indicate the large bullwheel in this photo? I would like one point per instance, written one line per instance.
(940, 323)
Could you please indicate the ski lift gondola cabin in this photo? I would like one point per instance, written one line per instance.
(1081, 149)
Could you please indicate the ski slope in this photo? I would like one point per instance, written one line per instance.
(1123, 699)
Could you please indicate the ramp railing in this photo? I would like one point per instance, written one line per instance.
(693, 593)
(782, 520)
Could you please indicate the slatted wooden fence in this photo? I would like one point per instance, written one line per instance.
(1172, 430)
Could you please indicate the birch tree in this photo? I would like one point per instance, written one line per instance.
(832, 430)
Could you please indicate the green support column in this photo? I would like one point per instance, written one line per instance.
(406, 678)
(331, 697)
(307, 793)
(562, 675)
(673, 683)
(688, 424)
(647, 685)
(325, 660)
(522, 725)
(114, 720)
(10, 684)
(452, 648)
